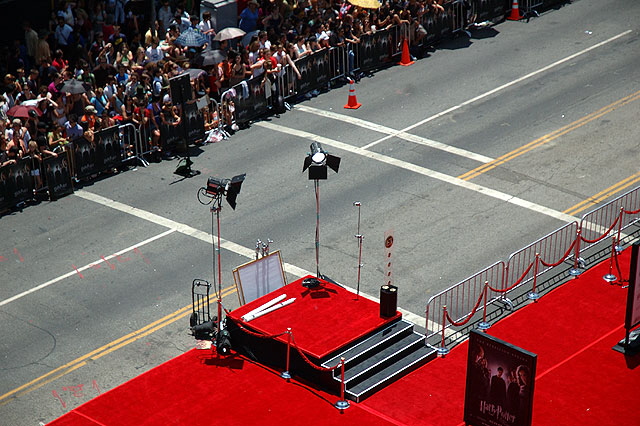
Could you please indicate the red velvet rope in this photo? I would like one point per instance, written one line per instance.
(311, 364)
(564, 257)
(260, 335)
(630, 212)
(304, 357)
(603, 235)
(471, 314)
(524, 274)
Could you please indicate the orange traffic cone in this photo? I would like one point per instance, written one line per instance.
(515, 12)
(353, 102)
(406, 57)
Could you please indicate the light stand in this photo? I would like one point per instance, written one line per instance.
(214, 191)
(316, 162)
(360, 237)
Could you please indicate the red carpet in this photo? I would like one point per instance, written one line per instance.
(580, 379)
(314, 312)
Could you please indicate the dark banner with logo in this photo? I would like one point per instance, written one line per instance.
(315, 71)
(16, 183)
(374, 49)
(57, 173)
(500, 379)
(108, 150)
(85, 158)
(193, 122)
(250, 101)
(172, 137)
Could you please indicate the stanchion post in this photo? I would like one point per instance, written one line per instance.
(484, 325)
(286, 374)
(533, 294)
(617, 247)
(610, 278)
(343, 403)
(575, 271)
(442, 350)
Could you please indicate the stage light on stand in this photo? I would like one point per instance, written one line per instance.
(317, 162)
(213, 193)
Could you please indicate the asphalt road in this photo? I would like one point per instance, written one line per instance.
(96, 285)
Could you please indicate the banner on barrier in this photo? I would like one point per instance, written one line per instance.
(16, 183)
(193, 122)
(374, 49)
(314, 70)
(57, 172)
(108, 150)
(172, 137)
(84, 157)
(500, 379)
(250, 101)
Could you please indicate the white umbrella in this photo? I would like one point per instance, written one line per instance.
(229, 33)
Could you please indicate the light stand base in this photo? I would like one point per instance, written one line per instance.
(310, 282)
(633, 347)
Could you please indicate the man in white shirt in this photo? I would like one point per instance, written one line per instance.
(62, 33)
(165, 14)
(207, 27)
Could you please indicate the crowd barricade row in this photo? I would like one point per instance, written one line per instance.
(553, 254)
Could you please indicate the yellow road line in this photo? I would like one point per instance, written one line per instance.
(604, 194)
(549, 137)
(103, 350)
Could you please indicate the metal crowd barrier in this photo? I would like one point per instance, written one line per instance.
(553, 255)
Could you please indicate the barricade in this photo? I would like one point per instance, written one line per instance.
(461, 301)
(458, 13)
(249, 101)
(315, 71)
(552, 249)
(337, 63)
(528, 7)
(105, 152)
(614, 216)
(449, 313)
(373, 50)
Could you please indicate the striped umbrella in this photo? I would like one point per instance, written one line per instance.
(192, 37)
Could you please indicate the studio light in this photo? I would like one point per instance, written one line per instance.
(317, 162)
(230, 188)
(223, 342)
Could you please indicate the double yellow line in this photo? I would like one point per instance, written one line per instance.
(603, 195)
(549, 137)
(102, 351)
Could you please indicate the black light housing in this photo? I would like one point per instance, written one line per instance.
(318, 160)
(230, 188)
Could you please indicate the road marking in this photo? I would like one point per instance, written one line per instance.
(101, 351)
(78, 270)
(403, 135)
(224, 244)
(604, 194)
(500, 88)
(421, 170)
(549, 137)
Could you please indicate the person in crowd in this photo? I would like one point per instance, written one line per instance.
(207, 27)
(72, 128)
(249, 17)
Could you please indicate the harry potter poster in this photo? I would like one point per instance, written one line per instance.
(500, 378)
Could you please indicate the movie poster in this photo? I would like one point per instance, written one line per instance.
(500, 379)
(85, 157)
(633, 296)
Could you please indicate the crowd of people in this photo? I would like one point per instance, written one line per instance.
(125, 61)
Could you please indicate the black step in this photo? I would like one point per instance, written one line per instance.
(366, 367)
(401, 367)
(382, 338)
